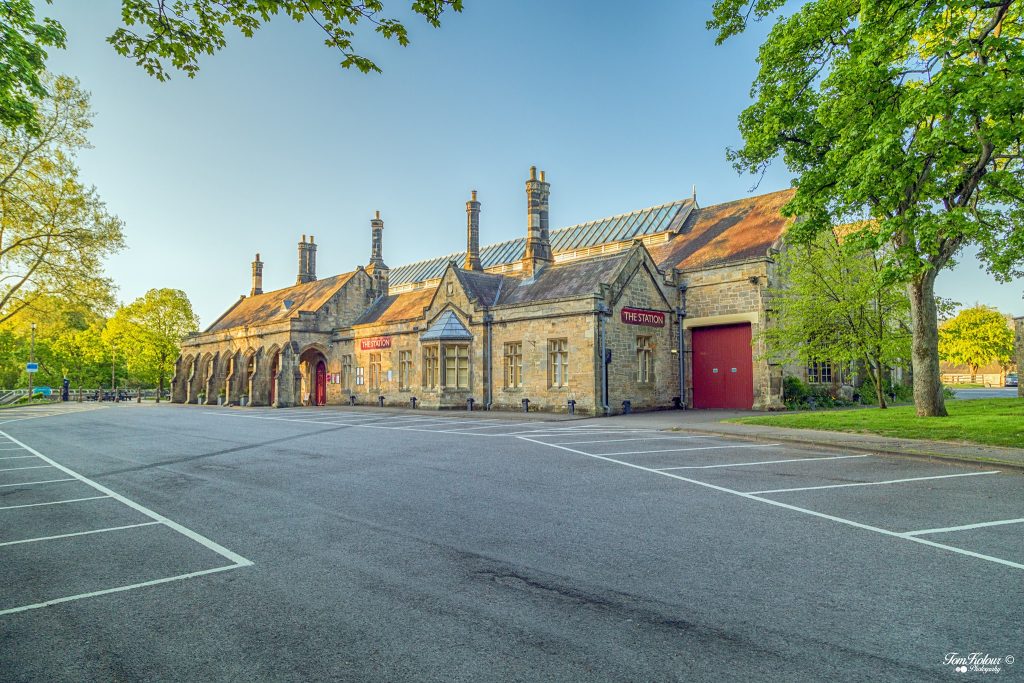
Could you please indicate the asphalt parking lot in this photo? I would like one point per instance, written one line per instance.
(188, 543)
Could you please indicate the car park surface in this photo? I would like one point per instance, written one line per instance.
(203, 543)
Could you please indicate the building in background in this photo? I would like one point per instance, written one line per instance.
(649, 309)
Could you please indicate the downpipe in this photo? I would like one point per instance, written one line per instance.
(602, 314)
(680, 317)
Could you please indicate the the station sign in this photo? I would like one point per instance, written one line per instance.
(640, 316)
(374, 343)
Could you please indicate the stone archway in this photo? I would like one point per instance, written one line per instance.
(313, 373)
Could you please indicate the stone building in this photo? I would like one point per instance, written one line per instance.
(1019, 352)
(649, 309)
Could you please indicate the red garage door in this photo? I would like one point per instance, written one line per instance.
(723, 367)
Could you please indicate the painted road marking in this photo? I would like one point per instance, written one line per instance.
(636, 438)
(53, 502)
(965, 527)
(762, 462)
(787, 506)
(873, 483)
(29, 483)
(16, 457)
(696, 448)
(31, 467)
(236, 559)
(78, 533)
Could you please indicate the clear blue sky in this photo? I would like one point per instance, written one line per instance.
(623, 108)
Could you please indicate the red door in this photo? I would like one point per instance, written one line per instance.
(274, 369)
(723, 367)
(321, 384)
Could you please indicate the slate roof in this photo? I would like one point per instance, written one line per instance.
(271, 307)
(446, 327)
(603, 231)
(723, 233)
(397, 307)
(563, 280)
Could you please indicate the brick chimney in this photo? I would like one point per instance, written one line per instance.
(307, 261)
(257, 276)
(473, 234)
(377, 268)
(538, 243)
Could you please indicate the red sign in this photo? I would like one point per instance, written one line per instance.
(639, 316)
(375, 343)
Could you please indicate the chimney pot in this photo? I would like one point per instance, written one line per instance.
(474, 195)
(533, 173)
(378, 214)
(542, 176)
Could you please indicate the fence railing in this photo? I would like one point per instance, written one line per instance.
(994, 379)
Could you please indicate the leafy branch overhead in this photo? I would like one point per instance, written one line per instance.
(180, 32)
(908, 114)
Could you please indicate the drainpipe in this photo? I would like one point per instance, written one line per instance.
(602, 313)
(680, 316)
(489, 384)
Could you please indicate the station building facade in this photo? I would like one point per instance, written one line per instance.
(655, 308)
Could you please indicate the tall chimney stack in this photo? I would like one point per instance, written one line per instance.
(377, 268)
(473, 234)
(538, 243)
(307, 261)
(257, 276)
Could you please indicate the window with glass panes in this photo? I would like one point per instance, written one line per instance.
(558, 362)
(456, 366)
(404, 369)
(644, 360)
(513, 365)
(375, 370)
(430, 367)
(819, 373)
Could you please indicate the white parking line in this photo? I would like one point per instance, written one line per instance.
(787, 506)
(52, 502)
(16, 457)
(637, 438)
(144, 584)
(500, 424)
(29, 483)
(696, 448)
(78, 533)
(31, 467)
(873, 483)
(762, 462)
(965, 527)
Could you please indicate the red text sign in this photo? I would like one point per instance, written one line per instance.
(639, 316)
(375, 343)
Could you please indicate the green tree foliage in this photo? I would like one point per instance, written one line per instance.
(906, 113)
(836, 304)
(159, 34)
(147, 333)
(23, 62)
(54, 230)
(976, 337)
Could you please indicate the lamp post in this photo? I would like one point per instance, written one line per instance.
(32, 359)
(113, 394)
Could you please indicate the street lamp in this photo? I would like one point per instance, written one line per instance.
(31, 361)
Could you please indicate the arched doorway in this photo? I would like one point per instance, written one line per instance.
(275, 368)
(320, 385)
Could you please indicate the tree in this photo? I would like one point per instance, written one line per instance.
(54, 230)
(836, 304)
(23, 62)
(976, 337)
(148, 331)
(179, 33)
(905, 113)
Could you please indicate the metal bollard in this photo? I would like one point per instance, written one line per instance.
(572, 406)
(413, 402)
(627, 407)
(526, 405)
(351, 400)
(380, 401)
(469, 404)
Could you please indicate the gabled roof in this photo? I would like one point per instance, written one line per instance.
(723, 233)
(397, 307)
(280, 304)
(447, 327)
(603, 231)
(563, 280)
(484, 287)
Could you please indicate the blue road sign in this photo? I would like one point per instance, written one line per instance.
(31, 367)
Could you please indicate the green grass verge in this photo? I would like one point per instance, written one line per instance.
(992, 421)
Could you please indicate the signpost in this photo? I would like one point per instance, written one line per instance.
(32, 367)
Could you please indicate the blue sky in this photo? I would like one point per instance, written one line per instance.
(622, 109)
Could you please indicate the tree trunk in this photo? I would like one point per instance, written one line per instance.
(924, 326)
(879, 389)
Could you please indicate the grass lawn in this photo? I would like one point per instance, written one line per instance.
(992, 421)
